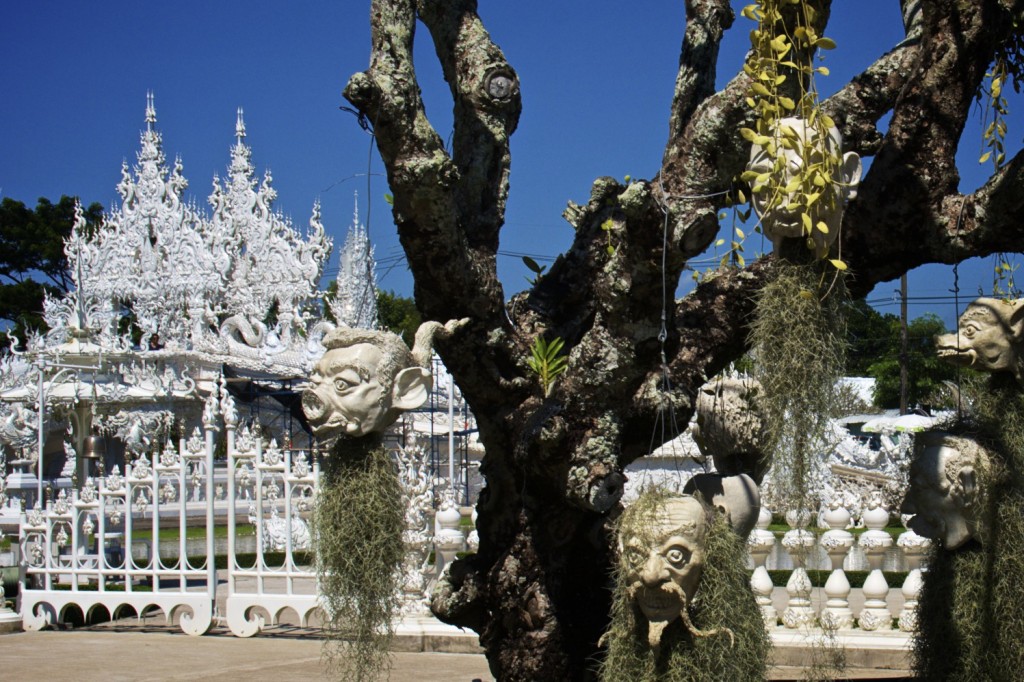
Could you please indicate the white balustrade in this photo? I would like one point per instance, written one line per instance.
(875, 541)
(837, 542)
(914, 549)
(798, 542)
(760, 543)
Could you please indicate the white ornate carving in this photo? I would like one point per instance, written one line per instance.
(418, 500)
(231, 287)
(355, 301)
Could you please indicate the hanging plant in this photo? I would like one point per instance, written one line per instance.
(357, 529)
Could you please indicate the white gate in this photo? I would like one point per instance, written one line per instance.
(279, 486)
(100, 546)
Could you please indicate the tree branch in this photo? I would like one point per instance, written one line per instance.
(706, 22)
(910, 193)
(485, 90)
(421, 174)
(857, 108)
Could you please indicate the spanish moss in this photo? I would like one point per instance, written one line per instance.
(357, 534)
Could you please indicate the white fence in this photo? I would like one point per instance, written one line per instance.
(100, 546)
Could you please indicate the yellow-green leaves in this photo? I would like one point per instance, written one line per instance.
(609, 225)
(547, 362)
(995, 112)
(797, 170)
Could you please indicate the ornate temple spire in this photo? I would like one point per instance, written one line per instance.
(236, 285)
(355, 303)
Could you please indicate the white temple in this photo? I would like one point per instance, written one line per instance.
(171, 304)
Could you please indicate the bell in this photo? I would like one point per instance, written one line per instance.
(95, 446)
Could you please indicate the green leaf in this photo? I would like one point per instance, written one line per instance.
(824, 43)
(985, 157)
(390, 199)
(532, 265)
(837, 264)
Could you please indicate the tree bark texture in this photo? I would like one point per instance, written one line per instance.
(537, 590)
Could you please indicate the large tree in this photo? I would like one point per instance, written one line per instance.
(537, 589)
(32, 260)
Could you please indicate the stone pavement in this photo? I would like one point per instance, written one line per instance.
(425, 650)
(164, 654)
(116, 652)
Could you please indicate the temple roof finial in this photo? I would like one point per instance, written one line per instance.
(150, 110)
(240, 126)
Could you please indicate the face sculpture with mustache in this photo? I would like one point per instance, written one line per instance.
(665, 560)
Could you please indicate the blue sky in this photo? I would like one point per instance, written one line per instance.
(596, 90)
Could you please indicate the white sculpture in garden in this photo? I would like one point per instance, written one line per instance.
(989, 337)
(948, 480)
(366, 378)
(798, 142)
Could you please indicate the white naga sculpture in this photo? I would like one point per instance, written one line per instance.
(664, 559)
(949, 481)
(989, 338)
(777, 219)
(366, 378)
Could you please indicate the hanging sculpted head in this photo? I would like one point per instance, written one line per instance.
(949, 480)
(662, 554)
(989, 337)
(366, 378)
(780, 222)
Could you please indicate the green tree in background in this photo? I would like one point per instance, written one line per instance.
(875, 352)
(32, 260)
(398, 314)
(870, 337)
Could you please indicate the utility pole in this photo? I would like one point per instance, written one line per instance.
(903, 344)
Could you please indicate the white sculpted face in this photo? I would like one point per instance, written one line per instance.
(345, 396)
(666, 561)
(989, 337)
(357, 390)
(780, 222)
(944, 494)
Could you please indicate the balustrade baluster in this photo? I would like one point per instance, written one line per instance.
(760, 543)
(799, 542)
(874, 541)
(914, 549)
(837, 542)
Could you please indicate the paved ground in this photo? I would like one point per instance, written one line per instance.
(150, 650)
(89, 655)
(120, 653)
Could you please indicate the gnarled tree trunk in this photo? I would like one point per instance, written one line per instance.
(537, 591)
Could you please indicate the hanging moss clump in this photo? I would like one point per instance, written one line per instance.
(971, 608)
(799, 341)
(357, 537)
(723, 600)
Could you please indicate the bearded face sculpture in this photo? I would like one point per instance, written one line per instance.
(663, 556)
(989, 337)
